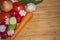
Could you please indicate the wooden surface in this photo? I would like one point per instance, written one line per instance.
(45, 24)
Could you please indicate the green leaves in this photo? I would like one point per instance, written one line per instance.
(30, 1)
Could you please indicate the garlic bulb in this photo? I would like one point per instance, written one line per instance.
(31, 7)
(2, 28)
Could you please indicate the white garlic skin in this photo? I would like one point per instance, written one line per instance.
(30, 7)
(2, 28)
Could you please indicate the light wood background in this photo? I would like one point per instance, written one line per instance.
(45, 24)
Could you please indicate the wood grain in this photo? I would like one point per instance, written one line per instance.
(45, 24)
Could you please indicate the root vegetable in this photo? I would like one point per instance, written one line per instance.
(19, 18)
(6, 6)
(14, 13)
(4, 35)
(22, 24)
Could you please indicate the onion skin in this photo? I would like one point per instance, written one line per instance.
(6, 6)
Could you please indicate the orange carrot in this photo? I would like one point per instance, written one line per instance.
(22, 24)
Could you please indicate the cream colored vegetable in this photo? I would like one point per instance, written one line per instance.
(6, 6)
(31, 7)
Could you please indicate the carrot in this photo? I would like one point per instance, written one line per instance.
(22, 24)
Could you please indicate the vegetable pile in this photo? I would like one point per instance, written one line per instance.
(13, 12)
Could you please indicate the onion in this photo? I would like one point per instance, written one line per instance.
(4, 35)
(6, 25)
(6, 6)
(19, 18)
(14, 13)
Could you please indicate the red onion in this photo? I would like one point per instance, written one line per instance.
(4, 35)
(19, 18)
(6, 25)
(14, 13)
